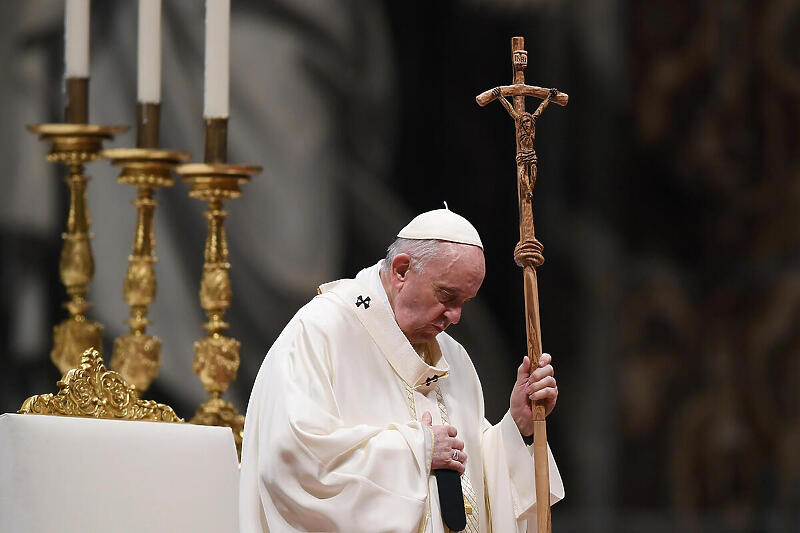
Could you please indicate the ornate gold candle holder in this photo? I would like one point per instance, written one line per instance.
(136, 355)
(74, 145)
(216, 357)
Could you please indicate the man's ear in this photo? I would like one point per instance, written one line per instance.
(401, 264)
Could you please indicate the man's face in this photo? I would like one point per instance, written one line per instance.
(426, 302)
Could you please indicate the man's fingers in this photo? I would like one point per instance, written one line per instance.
(547, 392)
(427, 419)
(541, 373)
(449, 453)
(457, 465)
(461, 456)
(545, 359)
(548, 381)
(451, 431)
(524, 369)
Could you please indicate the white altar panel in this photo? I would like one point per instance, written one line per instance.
(69, 474)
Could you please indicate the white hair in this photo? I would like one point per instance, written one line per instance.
(420, 250)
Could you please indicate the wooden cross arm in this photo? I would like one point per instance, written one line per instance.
(489, 96)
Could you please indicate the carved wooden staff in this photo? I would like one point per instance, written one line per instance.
(528, 252)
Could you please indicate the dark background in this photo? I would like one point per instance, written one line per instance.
(667, 201)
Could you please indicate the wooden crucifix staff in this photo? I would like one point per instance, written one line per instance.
(528, 252)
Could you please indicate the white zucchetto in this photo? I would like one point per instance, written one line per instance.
(443, 225)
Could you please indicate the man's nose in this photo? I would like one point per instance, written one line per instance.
(453, 315)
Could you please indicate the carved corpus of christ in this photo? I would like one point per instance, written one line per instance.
(526, 128)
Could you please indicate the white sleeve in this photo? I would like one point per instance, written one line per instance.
(509, 476)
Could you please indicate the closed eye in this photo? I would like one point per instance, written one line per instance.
(445, 296)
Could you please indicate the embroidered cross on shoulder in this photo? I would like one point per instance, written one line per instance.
(363, 301)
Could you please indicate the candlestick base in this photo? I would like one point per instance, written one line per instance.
(70, 338)
(218, 412)
(137, 356)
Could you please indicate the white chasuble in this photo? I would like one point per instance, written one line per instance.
(333, 441)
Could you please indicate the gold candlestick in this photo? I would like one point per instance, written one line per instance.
(74, 144)
(136, 355)
(216, 357)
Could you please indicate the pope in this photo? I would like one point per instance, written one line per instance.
(363, 398)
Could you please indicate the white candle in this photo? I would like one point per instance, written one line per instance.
(76, 39)
(149, 67)
(218, 18)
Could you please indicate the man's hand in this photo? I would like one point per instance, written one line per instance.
(448, 451)
(538, 385)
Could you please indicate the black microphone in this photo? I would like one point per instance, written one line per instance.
(451, 499)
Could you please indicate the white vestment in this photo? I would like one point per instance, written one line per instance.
(332, 438)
